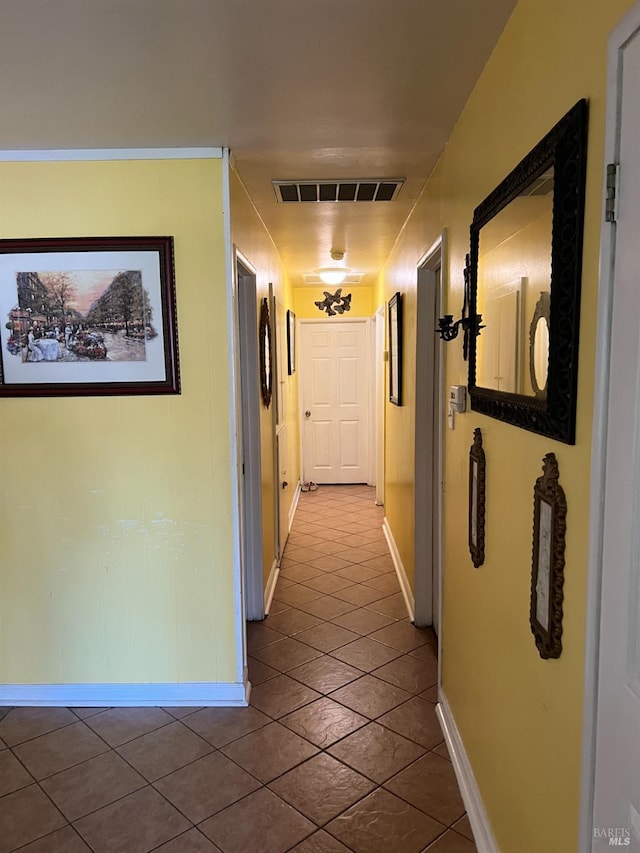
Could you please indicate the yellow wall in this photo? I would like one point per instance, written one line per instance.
(520, 717)
(361, 302)
(116, 541)
(254, 242)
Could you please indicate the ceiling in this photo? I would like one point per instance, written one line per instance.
(297, 89)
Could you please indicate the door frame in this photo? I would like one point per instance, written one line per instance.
(319, 322)
(429, 437)
(629, 24)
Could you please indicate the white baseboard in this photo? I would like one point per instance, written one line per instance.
(485, 842)
(403, 580)
(294, 504)
(270, 588)
(209, 694)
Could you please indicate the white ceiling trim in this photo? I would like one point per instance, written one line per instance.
(87, 154)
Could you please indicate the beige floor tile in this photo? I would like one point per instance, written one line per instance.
(327, 607)
(21, 724)
(409, 673)
(362, 621)
(366, 654)
(451, 842)
(416, 720)
(320, 842)
(357, 573)
(281, 695)
(321, 788)
(56, 751)
(323, 722)
(13, 776)
(91, 785)
(192, 841)
(260, 823)
(220, 726)
(327, 636)
(331, 547)
(286, 654)
(329, 562)
(293, 621)
(135, 824)
(165, 750)
(269, 752)
(376, 752)
(325, 674)
(26, 815)
(370, 696)
(328, 583)
(206, 786)
(431, 786)
(65, 840)
(119, 725)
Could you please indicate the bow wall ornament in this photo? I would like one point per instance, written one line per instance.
(334, 303)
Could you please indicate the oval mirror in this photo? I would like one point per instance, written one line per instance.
(539, 346)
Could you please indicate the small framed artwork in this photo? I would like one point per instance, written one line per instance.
(477, 480)
(87, 316)
(547, 573)
(395, 349)
(291, 343)
(265, 353)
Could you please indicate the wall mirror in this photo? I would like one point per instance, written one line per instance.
(525, 273)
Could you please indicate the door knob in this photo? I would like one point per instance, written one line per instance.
(307, 414)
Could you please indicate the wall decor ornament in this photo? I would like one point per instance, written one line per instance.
(334, 303)
(265, 353)
(395, 349)
(477, 482)
(547, 571)
(291, 343)
(87, 316)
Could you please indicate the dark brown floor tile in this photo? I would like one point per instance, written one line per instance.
(65, 840)
(357, 573)
(13, 776)
(328, 562)
(286, 654)
(377, 548)
(297, 554)
(281, 695)
(91, 785)
(297, 572)
(327, 607)
(326, 637)
(56, 751)
(297, 595)
(320, 842)
(2, 744)
(165, 750)
(331, 547)
(293, 621)
(463, 826)
(411, 674)
(401, 635)
(325, 674)
(451, 842)
(259, 672)
(220, 726)
(383, 562)
(392, 605)
(381, 823)
(328, 583)
(370, 696)
(442, 751)
(206, 786)
(302, 540)
(430, 785)
(260, 635)
(356, 555)
(355, 540)
(376, 752)
(321, 788)
(181, 713)
(192, 841)
(431, 694)
(277, 607)
(83, 713)
(269, 752)
(135, 824)
(323, 722)
(22, 724)
(425, 652)
(363, 621)
(359, 594)
(366, 654)
(119, 725)
(284, 582)
(387, 583)
(26, 815)
(416, 720)
(260, 823)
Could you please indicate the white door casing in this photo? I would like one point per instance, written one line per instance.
(334, 391)
(611, 756)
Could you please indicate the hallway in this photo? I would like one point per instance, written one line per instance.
(339, 751)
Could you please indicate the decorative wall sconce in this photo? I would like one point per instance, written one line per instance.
(448, 328)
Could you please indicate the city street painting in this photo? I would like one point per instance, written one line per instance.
(88, 316)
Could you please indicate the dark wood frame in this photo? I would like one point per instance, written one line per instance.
(163, 295)
(265, 350)
(564, 148)
(395, 338)
(548, 497)
(477, 461)
(541, 312)
(291, 343)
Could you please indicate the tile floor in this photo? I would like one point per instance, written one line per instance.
(340, 749)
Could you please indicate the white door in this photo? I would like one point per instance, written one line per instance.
(334, 374)
(617, 762)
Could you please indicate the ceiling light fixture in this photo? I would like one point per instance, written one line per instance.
(333, 275)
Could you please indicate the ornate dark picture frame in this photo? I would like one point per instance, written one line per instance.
(265, 350)
(564, 149)
(395, 349)
(547, 571)
(541, 314)
(291, 343)
(477, 493)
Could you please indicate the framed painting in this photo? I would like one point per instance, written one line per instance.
(87, 316)
(395, 349)
(291, 343)
(265, 353)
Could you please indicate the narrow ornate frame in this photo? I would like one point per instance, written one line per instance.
(547, 571)
(265, 350)
(477, 493)
(395, 343)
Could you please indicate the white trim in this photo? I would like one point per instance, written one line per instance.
(469, 791)
(617, 38)
(57, 155)
(208, 694)
(270, 588)
(294, 504)
(403, 580)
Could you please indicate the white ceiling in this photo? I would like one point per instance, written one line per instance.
(295, 88)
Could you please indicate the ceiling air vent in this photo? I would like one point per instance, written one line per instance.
(337, 191)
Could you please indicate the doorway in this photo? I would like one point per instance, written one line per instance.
(428, 441)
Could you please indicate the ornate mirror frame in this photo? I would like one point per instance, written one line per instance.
(477, 490)
(564, 148)
(541, 312)
(266, 353)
